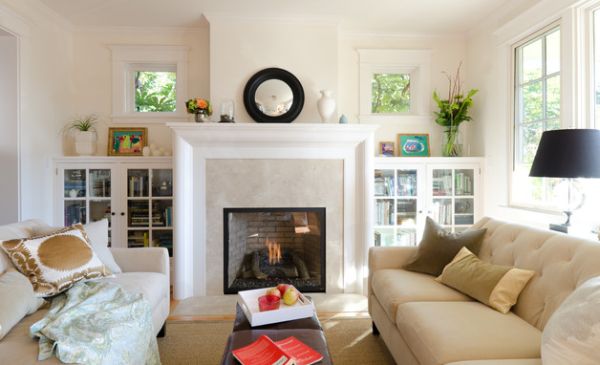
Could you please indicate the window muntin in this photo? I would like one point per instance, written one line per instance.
(537, 109)
(390, 93)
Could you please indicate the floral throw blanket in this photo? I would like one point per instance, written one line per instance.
(98, 323)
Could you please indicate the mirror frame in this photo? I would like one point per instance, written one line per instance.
(268, 74)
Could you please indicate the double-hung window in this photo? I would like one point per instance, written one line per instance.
(536, 109)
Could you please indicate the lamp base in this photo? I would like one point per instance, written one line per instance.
(559, 227)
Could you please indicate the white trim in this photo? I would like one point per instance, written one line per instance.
(124, 57)
(196, 143)
(417, 63)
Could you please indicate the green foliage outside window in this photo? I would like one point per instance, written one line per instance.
(390, 93)
(155, 91)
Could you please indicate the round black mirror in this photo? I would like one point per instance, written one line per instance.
(273, 95)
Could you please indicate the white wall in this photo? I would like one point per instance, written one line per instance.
(489, 58)
(240, 47)
(92, 73)
(46, 92)
(9, 142)
(446, 54)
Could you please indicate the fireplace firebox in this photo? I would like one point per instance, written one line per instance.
(267, 246)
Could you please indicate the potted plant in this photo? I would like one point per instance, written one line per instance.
(84, 133)
(452, 112)
(201, 108)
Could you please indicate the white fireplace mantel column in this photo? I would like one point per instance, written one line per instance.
(194, 144)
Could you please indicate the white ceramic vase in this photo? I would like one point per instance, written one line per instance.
(85, 143)
(326, 105)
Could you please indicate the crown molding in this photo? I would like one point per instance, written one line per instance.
(307, 19)
(145, 29)
(358, 33)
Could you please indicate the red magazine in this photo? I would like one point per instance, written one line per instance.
(289, 351)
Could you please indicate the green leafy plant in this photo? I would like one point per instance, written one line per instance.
(82, 124)
(453, 111)
(155, 91)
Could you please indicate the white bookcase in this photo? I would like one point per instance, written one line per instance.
(134, 193)
(408, 189)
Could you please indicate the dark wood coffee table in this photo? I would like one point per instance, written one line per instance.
(307, 330)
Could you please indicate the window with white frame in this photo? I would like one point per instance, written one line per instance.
(596, 68)
(537, 96)
(393, 83)
(149, 83)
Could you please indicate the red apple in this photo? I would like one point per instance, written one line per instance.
(282, 288)
(273, 291)
(290, 297)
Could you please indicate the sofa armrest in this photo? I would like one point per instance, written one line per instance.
(388, 258)
(143, 259)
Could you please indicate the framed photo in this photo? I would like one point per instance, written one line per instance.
(387, 149)
(413, 145)
(127, 141)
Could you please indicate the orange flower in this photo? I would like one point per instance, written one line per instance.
(202, 104)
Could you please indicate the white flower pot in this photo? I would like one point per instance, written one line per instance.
(85, 143)
(326, 105)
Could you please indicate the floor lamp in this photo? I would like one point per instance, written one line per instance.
(567, 154)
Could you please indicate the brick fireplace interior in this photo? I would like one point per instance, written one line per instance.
(267, 246)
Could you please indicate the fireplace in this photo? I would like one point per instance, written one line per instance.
(267, 246)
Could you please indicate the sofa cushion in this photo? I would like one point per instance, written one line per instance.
(13, 231)
(438, 247)
(443, 332)
(499, 362)
(497, 286)
(154, 286)
(394, 286)
(16, 300)
(53, 263)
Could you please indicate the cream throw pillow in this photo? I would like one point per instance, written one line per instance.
(16, 300)
(54, 262)
(493, 285)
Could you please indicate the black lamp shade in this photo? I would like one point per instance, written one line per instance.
(568, 153)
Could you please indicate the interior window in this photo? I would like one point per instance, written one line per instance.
(390, 93)
(155, 91)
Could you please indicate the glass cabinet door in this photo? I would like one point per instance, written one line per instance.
(150, 208)
(87, 196)
(452, 197)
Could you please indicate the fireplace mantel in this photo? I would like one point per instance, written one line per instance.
(194, 144)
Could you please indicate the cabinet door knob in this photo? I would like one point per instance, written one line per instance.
(420, 212)
(122, 213)
(113, 213)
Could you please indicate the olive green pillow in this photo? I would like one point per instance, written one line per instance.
(438, 247)
(496, 286)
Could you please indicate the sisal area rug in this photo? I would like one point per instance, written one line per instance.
(202, 342)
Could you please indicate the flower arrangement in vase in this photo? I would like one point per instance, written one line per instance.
(201, 108)
(452, 112)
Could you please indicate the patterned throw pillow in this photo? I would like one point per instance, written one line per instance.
(56, 261)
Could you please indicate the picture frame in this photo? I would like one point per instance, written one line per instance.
(127, 141)
(414, 145)
(387, 149)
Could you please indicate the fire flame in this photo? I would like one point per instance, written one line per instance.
(274, 251)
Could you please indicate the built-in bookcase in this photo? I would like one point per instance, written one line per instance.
(134, 194)
(406, 190)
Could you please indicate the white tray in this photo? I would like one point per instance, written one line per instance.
(248, 301)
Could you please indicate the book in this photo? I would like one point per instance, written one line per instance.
(289, 351)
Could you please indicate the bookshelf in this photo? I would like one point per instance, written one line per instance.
(135, 194)
(406, 190)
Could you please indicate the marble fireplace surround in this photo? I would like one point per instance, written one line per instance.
(196, 144)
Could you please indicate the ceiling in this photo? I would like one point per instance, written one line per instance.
(406, 16)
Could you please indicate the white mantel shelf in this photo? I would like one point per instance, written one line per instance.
(194, 144)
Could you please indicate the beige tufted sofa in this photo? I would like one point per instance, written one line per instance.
(426, 323)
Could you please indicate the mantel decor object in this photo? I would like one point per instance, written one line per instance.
(227, 112)
(413, 145)
(452, 112)
(273, 95)
(568, 154)
(326, 105)
(201, 108)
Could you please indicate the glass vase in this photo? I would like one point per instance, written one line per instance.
(452, 143)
